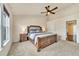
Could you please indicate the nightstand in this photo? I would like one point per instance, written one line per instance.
(23, 37)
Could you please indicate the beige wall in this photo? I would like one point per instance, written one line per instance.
(21, 22)
(70, 13)
(6, 48)
(57, 26)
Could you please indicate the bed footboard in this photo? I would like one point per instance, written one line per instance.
(46, 41)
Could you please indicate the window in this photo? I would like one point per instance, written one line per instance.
(5, 26)
(0, 25)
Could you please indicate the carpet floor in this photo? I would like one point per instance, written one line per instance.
(61, 48)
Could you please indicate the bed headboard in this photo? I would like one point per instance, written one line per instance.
(33, 28)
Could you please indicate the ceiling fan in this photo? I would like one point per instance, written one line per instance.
(49, 11)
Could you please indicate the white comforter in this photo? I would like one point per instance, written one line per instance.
(34, 36)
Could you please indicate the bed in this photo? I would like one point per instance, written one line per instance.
(39, 38)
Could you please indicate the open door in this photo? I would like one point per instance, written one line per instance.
(70, 30)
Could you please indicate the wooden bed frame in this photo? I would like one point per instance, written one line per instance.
(44, 41)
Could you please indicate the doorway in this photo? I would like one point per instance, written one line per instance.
(70, 30)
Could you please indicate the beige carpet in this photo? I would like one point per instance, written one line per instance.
(61, 48)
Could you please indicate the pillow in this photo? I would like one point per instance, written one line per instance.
(34, 29)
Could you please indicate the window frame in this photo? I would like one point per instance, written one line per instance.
(3, 10)
(0, 25)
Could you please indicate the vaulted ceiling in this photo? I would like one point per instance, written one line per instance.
(35, 8)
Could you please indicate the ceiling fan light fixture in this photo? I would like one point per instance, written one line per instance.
(48, 13)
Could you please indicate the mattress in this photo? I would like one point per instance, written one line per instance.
(34, 36)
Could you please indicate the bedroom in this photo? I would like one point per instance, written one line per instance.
(23, 15)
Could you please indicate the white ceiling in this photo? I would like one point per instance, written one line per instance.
(35, 8)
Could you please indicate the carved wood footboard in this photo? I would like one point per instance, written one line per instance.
(45, 41)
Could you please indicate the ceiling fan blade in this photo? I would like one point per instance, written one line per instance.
(52, 12)
(54, 8)
(43, 12)
(47, 9)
